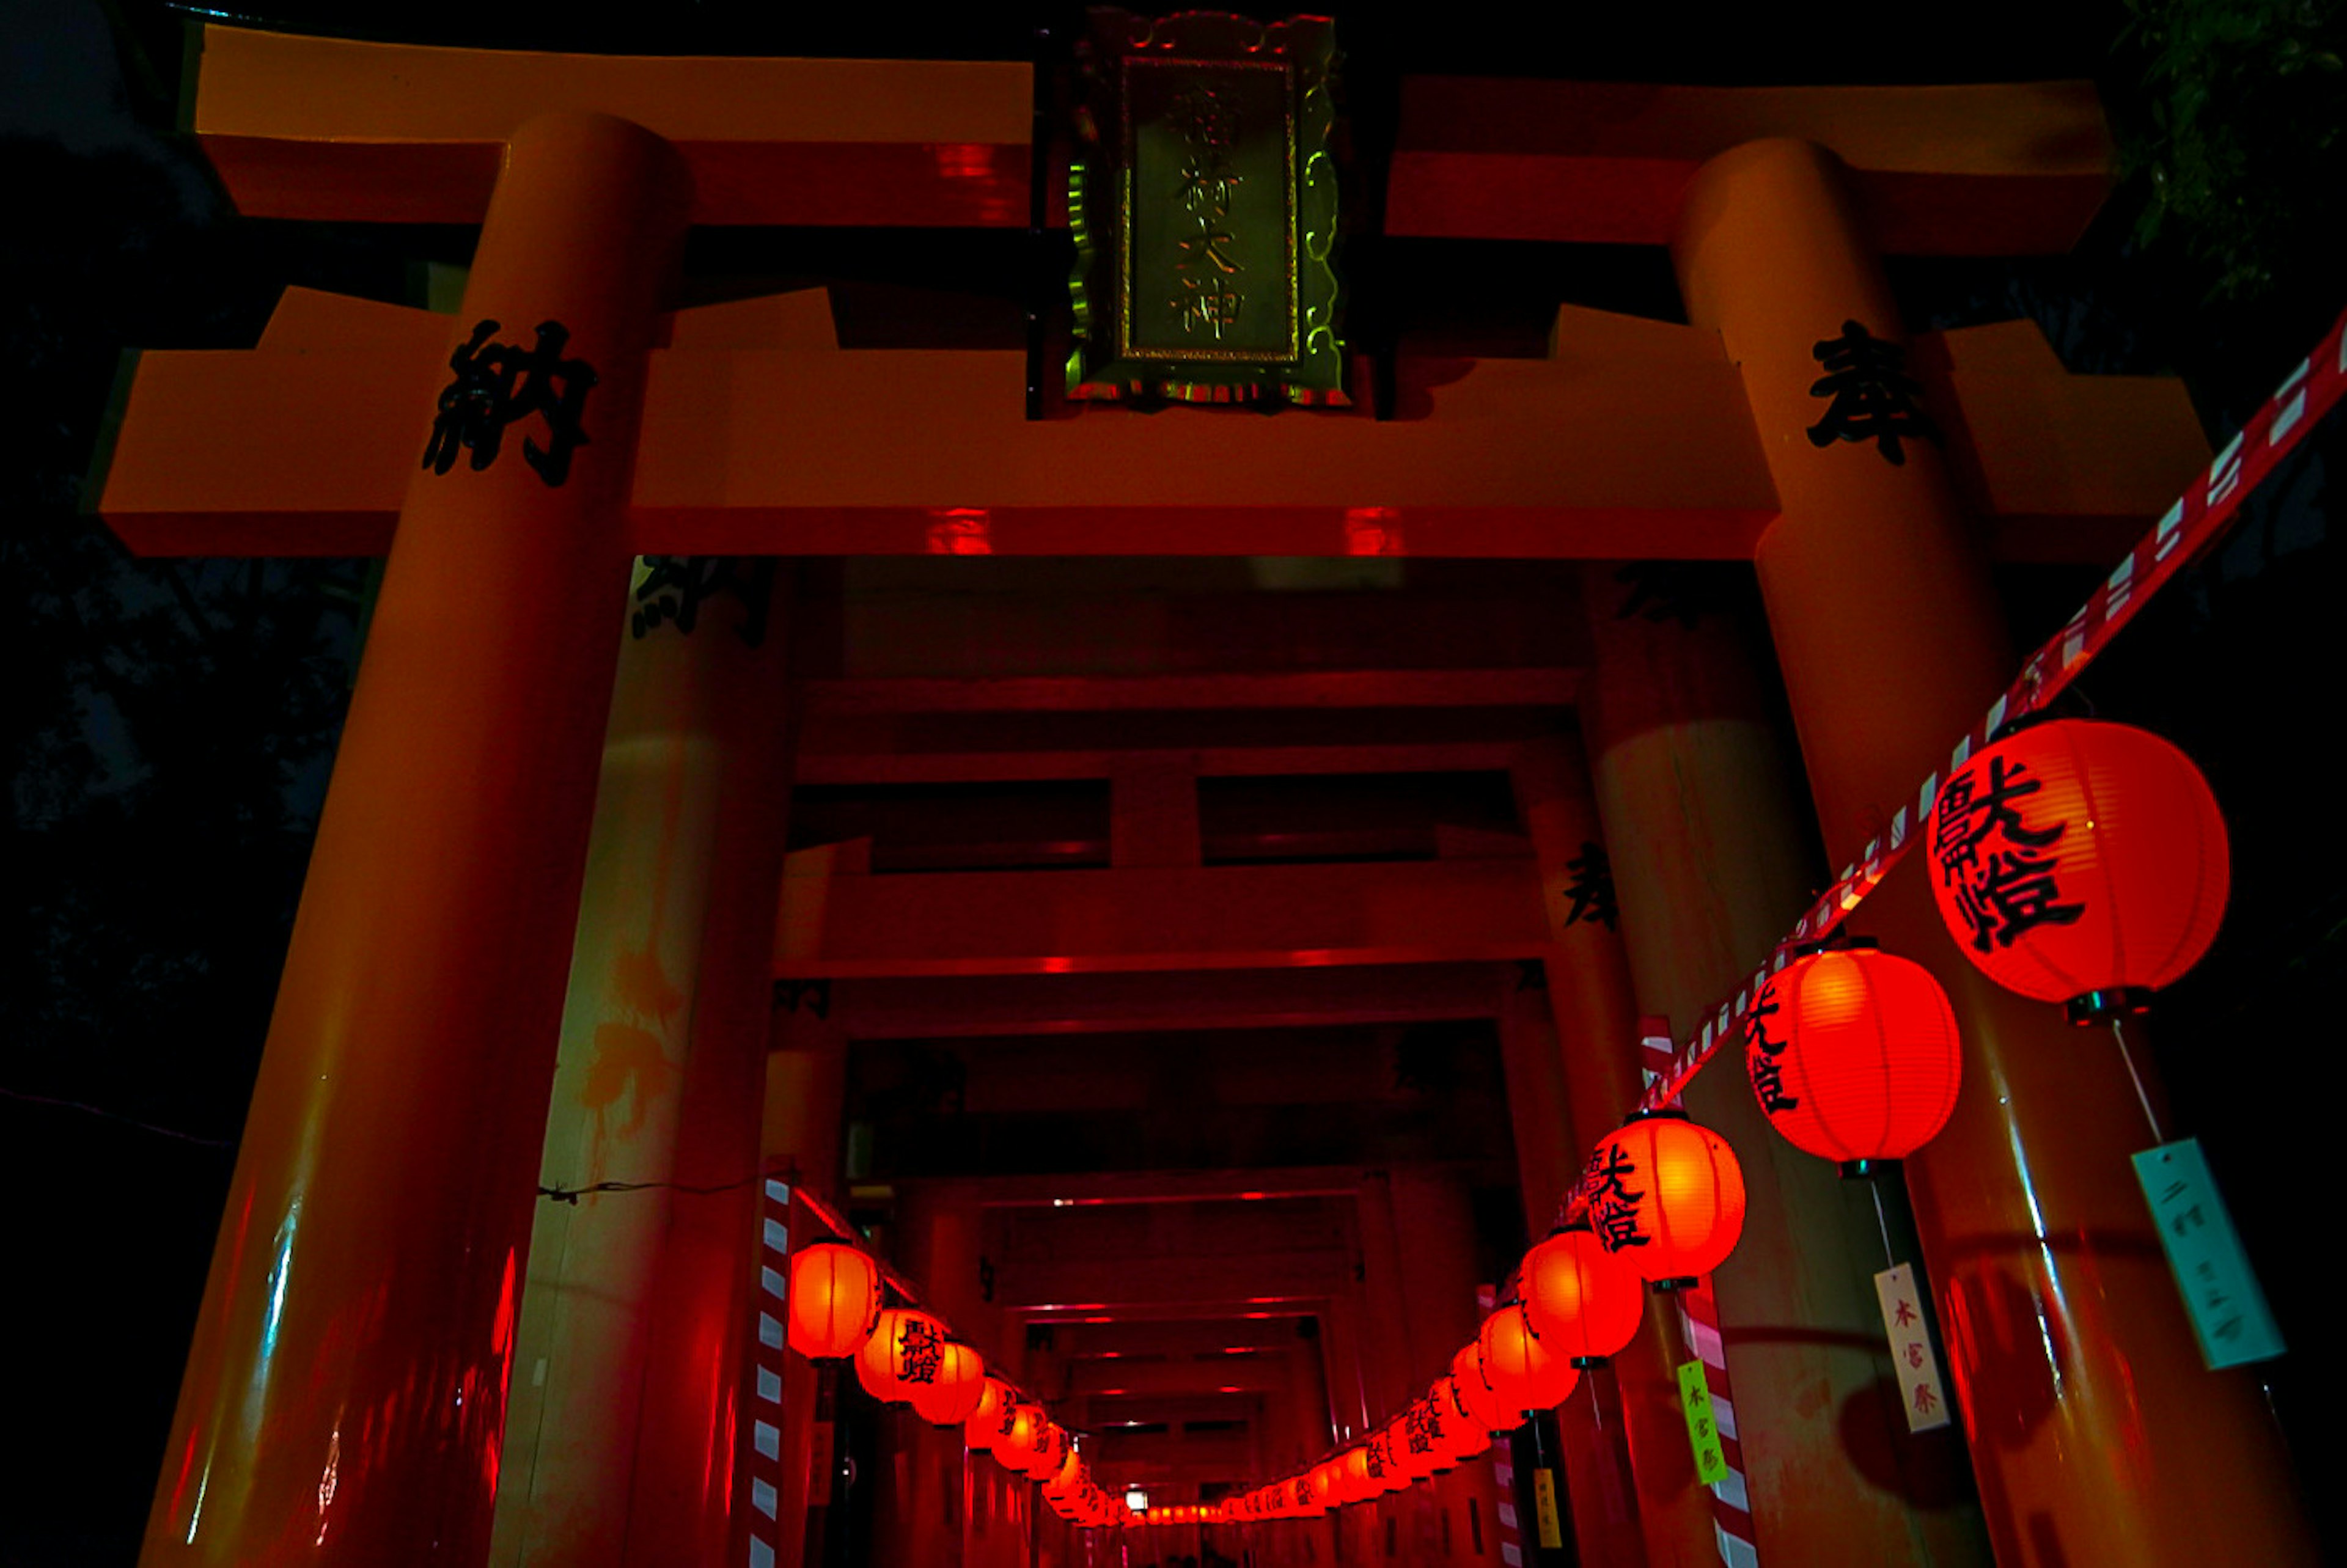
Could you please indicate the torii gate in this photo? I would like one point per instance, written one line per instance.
(346, 1391)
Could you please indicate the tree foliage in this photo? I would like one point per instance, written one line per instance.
(2239, 138)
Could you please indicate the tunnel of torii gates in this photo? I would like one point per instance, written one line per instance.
(554, 852)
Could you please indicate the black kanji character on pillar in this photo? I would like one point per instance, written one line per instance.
(498, 383)
(1873, 398)
(1592, 887)
(675, 588)
(2007, 887)
(1768, 1071)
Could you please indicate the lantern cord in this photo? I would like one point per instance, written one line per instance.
(2119, 1034)
(1882, 1218)
(573, 1195)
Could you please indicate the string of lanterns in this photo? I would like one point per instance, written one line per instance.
(904, 1356)
(2074, 861)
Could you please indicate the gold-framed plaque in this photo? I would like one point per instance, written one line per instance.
(1202, 197)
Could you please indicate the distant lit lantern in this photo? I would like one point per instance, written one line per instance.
(1359, 1484)
(1385, 1472)
(1477, 1394)
(1583, 1301)
(904, 1351)
(1666, 1197)
(1467, 1435)
(1854, 1055)
(988, 1422)
(1421, 1440)
(834, 1295)
(953, 1393)
(1524, 1372)
(2080, 863)
(1016, 1441)
(1329, 1484)
(1048, 1450)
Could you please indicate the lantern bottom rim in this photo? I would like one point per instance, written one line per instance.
(1588, 1363)
(1869, 1170)
(1681, 1282)
(2103, 1005)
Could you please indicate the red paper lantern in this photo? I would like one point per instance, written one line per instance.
(1854, 1055)
(989, 1422)
(1016, 1442)
(2081, 863)
(1525, 1373)
(1481, 1401)
(1467, 1436)
(1048, 1450)
(902, 1354)
(952, 1394)
(835, 1295)
(1583, 1301)
(1666, 1197)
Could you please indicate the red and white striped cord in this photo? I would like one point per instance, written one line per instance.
(1731, 1502)
(762, 1455)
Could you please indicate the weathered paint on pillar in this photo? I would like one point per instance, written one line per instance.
(345, 1394)
(1697, 796)
(1596, 1020)
(692, 797)
(2096, 1435)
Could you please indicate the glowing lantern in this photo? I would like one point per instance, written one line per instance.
(1384, 1465)
(1583, 1301)
(986, 1423)
(903, 1354)
(1466, 1436)
(835, 1295)
(1477, 1395)
(1329, 1484)
(1016, 1441)
(1854, 1055)
(1525, 1373)
(1666, 1197)
(1359, 1485)
(1421, 1438)
(1049, 1451)
(2080, 863)
(952, 1395)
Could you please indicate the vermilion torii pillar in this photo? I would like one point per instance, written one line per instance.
(2097, 1436)
(345, 1394)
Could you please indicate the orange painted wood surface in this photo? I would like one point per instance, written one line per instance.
(2005, 168)
(303, 445)
(344, 128)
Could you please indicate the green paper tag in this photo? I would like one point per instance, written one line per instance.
(1703, 1432)
(2228, 1311)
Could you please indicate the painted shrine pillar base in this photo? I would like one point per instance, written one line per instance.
(345, 1395)
(2096, 1435)
(1595, 1019)
(1701, 817)
(682, 868)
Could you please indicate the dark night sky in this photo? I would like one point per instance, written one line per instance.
(169, 726)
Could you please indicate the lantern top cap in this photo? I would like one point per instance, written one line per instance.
(1656, 1113)
(2030, 720)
